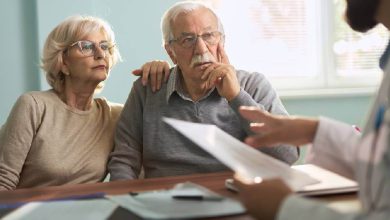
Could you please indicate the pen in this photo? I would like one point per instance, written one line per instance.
(198, 197)
(145, 192)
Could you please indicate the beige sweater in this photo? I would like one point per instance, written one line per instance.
(47, 143)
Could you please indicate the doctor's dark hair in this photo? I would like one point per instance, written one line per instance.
(360, 14)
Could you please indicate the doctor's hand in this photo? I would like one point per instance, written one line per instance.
(262, 200)
(275, 129)
(222, 75)
(156, 70)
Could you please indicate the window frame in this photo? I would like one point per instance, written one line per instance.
(326, 81)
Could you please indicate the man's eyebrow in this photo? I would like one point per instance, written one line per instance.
(207, 29)
(186, 34)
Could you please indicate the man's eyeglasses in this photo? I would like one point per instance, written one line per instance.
(88, 48)
(189, 40)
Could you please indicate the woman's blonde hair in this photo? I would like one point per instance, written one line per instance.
(67, 32)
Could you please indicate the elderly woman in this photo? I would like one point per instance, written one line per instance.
(64, 135)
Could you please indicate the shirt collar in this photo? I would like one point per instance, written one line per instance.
(174, 85)
(173, 81)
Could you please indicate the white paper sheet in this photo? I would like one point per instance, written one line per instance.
(63, 210)
(241, 158)
(161, 204)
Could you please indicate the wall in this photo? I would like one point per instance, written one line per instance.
(352, 110)
(19, 52)
(25, 25)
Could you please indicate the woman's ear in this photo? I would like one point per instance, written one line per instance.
(64, 66)
(171, 53)
(65, 70)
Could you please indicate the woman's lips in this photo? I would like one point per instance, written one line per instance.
(100, 67)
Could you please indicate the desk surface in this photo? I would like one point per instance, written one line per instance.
(213, 181)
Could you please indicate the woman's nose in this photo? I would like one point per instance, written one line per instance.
(99, 53)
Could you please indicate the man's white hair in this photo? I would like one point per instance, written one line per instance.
(183, 7)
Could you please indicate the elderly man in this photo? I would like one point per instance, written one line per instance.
(202, 87)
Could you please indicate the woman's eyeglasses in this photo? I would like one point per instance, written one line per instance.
(89, 48)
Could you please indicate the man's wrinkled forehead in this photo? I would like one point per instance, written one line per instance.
(202, 18)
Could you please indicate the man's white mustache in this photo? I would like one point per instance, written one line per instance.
(203, 58)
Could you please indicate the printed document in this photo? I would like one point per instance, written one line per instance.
(245, 160)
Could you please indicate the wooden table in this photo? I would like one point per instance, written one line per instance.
(213, 181)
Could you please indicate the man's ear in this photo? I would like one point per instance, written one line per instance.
(171, 53)
(223, 41)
